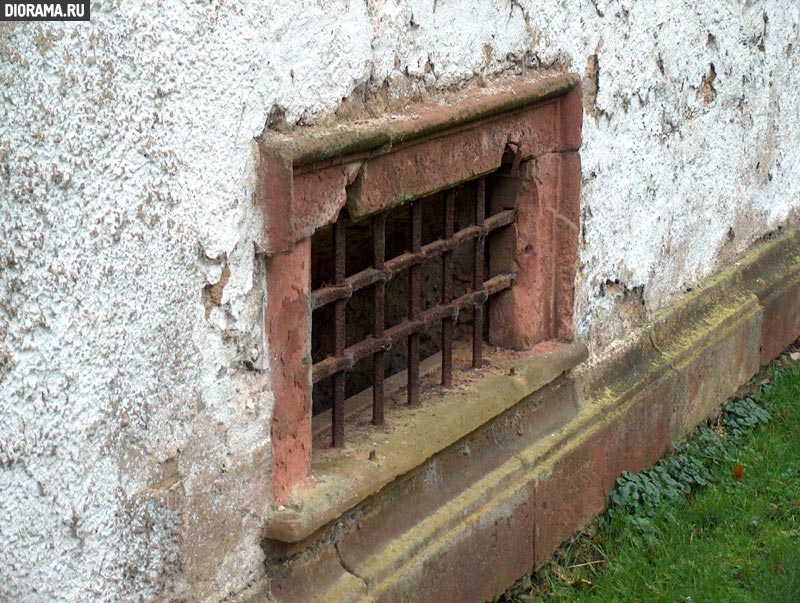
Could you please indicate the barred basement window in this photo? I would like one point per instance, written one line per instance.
(430, 254)
(392, 240)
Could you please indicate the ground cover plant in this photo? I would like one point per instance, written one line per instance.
(718, 519)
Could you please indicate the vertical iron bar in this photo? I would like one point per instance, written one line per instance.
(339, 336)
(414, 303)
(447, 290)
(379, 296)
(477, 276)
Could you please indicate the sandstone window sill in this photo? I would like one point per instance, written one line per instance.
(342, 479)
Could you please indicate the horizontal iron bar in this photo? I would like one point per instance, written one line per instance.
(361, 280)
(370, 345)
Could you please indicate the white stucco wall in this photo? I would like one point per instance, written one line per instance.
(133, 416)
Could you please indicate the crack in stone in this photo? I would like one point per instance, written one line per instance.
(347, 568)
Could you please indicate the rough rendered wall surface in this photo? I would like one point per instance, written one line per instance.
(134, 414)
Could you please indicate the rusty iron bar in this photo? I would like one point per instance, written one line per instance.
(327, 295)
(339, 333)
(380, 273)
(437, 248)
(370, 345)
(379, 299)
(516, 148)
(448, 323)
(414, 304)
(477, 275)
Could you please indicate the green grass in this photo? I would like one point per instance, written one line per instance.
(727, 542)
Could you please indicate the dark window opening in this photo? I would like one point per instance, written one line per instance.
(398, 287)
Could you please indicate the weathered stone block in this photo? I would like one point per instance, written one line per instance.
(571, 113)
(576, 488)
(781, 322)
(275, 186)
(719, 365)
(319, 196)
(522, 316)
(316, 575)
(288, 330)
(425, 168)
(569, 181)
(537, 130)
(476, 561)
(566, 258)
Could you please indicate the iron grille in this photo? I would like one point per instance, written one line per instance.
(380, 273)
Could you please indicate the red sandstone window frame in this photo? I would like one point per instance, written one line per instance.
(308, 176)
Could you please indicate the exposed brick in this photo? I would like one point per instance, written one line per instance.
(288, 329)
